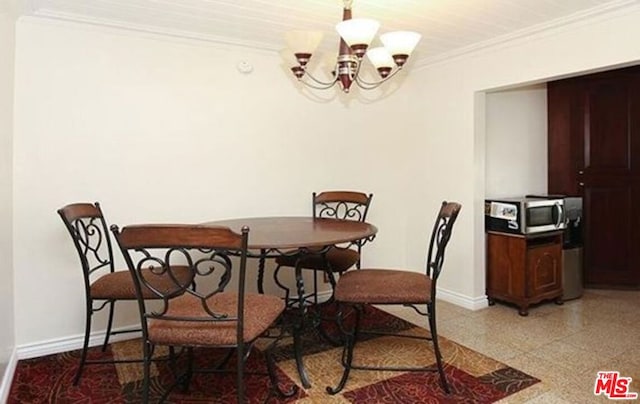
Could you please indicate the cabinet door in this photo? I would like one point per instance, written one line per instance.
(506, 267)
(544, 269)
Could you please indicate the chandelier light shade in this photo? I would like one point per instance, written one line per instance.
(303, 43)
(400, 44)
(356, 34)
(382, 60)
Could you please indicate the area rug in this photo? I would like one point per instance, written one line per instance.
(473, 377)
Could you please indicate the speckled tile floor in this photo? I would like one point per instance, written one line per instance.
(564, 346)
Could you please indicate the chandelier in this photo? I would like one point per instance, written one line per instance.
(356, 35)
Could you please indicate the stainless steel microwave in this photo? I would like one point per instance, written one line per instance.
(523, 215)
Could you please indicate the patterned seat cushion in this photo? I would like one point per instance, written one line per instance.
(119, 284)
(339, 259)
(260, 311)
(383, 286)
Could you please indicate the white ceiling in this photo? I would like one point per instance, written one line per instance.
(448, 26)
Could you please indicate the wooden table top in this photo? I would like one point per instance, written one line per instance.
(298, 232)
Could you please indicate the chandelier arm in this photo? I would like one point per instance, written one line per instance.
(328, 84)
(368, 85)
(323, 86)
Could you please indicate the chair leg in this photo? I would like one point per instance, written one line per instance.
(173, 364)
(436, 348)
(188, 374)
(328, 272)
(273, 377)
(240, 373)
(315, 287)
(356, 328)
(297, 350)
(347, 352)
(147, 372)
(85, 344)
(335, 340)
(223, 363)
(332, 281)
(287, 291)
(109, 325)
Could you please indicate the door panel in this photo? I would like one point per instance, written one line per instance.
(608, 250)
(565, 137)
(606, 135)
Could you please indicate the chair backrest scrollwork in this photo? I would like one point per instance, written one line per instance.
(88, 230)
(344, 205)
(440, 236)
(214, 256)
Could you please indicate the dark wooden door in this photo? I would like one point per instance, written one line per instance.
(596, 133)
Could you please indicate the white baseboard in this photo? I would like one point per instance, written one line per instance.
(471, 303)
(71, 343)
(65, 344)
(5, 387)
(53, 347)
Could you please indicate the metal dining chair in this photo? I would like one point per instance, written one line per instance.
(342, 205)
(220, 314)
(358, 289)
(103, 284)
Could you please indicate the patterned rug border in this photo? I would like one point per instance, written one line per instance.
(473, 377)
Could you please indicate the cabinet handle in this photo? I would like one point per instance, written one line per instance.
(580, 172)
(581, 184)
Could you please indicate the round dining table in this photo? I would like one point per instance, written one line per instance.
(277, 234)
(271, 237)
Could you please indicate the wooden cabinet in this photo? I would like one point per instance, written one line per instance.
(524, 270)
(594, 152)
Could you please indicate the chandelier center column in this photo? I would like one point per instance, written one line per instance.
(347, 61)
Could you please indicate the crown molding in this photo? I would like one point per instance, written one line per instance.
(589, 16)
(148, 29)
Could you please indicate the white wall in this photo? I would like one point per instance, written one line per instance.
(448, 158)
(165, 130)
(7, 46)
(161, 130)
(516, 142)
